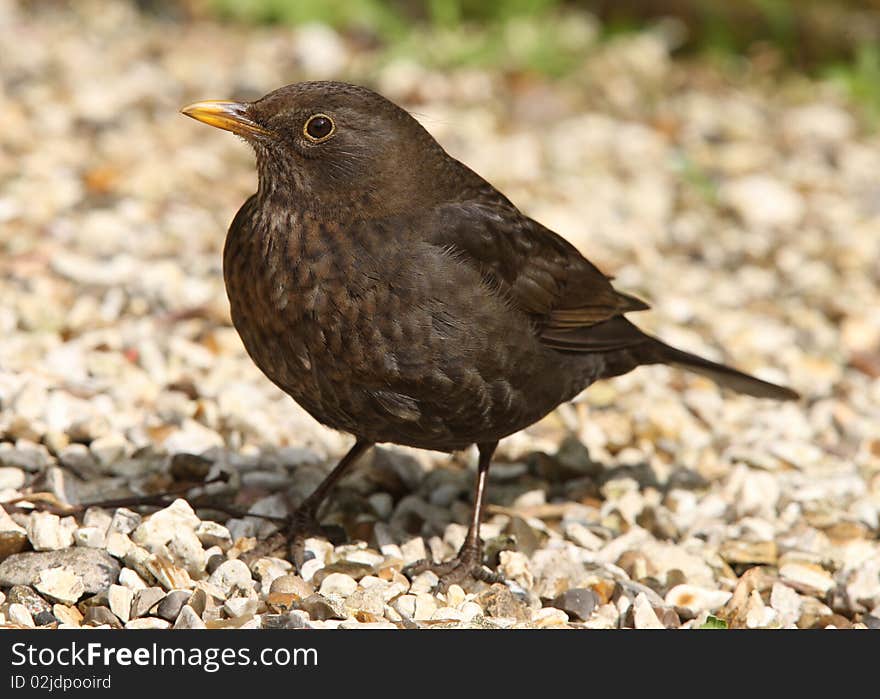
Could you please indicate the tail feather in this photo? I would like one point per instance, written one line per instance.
(721, 374)
(625, 347)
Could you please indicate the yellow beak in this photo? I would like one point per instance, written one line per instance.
(226, 115)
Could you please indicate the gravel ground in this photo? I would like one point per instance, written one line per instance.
(747, 214)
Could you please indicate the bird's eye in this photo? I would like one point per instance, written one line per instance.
(318, 128)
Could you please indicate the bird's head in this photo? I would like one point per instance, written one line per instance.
(335, 144)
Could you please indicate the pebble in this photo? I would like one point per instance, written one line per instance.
(130, 579)
(239, 607)
(166, 573)
(759, 615)
(230, 575)
(19, 614)
(96, 569)
(807, 578)
(213, 534)
(100, 616)
(48, 532)
(144, 600)
(321, 608)
(120, 599)
(578, 603)
(425, 607)
(188, 619)
(39, 608)
(13, 537)
(787, 604)
(549, 617)
(172, 604)
(60, 584)
(70, 616)
(763, 201)
(514, 566)
(691, 599)
(171, 532)
(149, 622)
(124, 521)
(499, 601)
(644, 616)
(11, 478)
(405, 605)
(754, 553)
(93, 537)
(350, 569)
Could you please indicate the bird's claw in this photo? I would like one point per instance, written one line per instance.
(290, 539)
(466, 567)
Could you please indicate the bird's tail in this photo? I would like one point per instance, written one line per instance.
(719, 373)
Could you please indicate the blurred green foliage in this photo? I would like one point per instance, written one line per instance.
(861, 79)
(343, 14)
(836, 39)
(537, 35)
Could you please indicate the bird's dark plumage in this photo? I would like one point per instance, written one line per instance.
(398, 296)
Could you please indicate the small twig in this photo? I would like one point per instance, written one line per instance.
(235, 512)
(47, 502)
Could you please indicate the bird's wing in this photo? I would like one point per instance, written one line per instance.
(539, 272)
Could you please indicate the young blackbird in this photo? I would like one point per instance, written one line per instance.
(396, 295)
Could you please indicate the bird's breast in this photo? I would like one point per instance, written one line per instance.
(379, 334)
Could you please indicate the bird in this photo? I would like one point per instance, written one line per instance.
(399, 297)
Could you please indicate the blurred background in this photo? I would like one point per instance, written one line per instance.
(719, 158)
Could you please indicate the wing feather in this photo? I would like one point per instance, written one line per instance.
(540, 272)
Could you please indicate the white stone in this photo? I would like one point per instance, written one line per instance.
(19, 614)
(239, 607)
(213, 534)
(120, 598)
(109, 448)
(338, 584)
(309, 568)
(48, 532)
(549, 617)
(425, 606)
(807, 577)
(188, 619)
(514, 566)
(231, 574)
(786, 602)
(91, 537)
(11, 477)
(582, 536)
(696, 599)
(469, 610)
(118, 544)
(644, 616)
(424, 582)
(130, 579)
(69, 616)
(405, 605)
(171, 532)
(759, 615)
(60, 584)
(762, 201)
(413, 550)
(148, 622)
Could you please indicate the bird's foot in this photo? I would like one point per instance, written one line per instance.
(290, 539)
(466, 567)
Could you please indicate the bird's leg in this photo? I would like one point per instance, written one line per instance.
(304, 520)
(468, 563)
